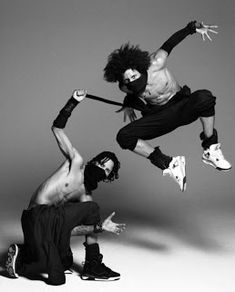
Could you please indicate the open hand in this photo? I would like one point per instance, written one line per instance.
(110, 226)
(204, 30)
(128, 112)
(79, 94)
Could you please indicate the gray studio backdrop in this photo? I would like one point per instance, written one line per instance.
(49, 48)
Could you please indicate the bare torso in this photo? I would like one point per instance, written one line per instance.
(62, 186)
(161, 86)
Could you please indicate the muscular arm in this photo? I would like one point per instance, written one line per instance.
(160, 56)
(64, 144)
(57, 128)
(106, 225)
(178, 37)
(82, 230)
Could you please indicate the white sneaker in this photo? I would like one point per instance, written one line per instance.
(214, 157)
(12, 254)
(176, 170)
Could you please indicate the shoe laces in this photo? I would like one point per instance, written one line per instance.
(175, 164)
(217, 151)
(218, 146)
(171, 168)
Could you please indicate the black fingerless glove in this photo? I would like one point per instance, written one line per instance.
(65, 113)
(192, 27)
(177, 37)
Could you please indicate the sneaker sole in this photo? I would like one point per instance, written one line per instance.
(11, 260)
(93, 278)
(184, 184)
(213, 165)
(184, 179)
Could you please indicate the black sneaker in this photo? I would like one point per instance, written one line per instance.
(12, 254)
(96, 270)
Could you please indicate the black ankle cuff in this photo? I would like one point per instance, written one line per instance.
(92, 251)
(207, 142)
(159, 159)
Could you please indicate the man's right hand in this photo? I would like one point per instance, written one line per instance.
(128, 112)
(79, 94)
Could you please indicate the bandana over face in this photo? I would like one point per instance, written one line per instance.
(138, 86)
(92, 175)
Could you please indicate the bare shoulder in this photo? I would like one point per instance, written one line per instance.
(77, 158)
(159, 54)
(158, 60)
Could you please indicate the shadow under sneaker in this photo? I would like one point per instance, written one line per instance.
(214, 157)
(177, 171)
(96, 270)
(12, 254)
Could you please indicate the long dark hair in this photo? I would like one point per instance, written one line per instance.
(128, 56)
(104, 157)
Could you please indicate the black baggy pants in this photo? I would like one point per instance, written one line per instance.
(183, 108)
(47, 232)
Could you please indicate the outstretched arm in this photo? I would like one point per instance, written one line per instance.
(60, 122)
(107, 225)
(179, 36)
(160, 56)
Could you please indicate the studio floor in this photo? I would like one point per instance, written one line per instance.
(196, 256)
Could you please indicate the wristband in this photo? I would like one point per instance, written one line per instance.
(192, 27)
(65, 113)
(98, 228)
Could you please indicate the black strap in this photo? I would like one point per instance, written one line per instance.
(94, 97)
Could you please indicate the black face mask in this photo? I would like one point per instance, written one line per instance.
(138, 86)
(92, 175)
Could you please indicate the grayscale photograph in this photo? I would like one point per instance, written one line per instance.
(117, 136)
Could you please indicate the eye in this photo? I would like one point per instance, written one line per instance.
(134, 76)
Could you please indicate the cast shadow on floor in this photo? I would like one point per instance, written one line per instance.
(146, 231)
(149, 232)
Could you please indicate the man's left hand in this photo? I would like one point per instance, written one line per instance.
(110, 226)
(204, 30)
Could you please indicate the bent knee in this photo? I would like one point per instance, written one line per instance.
(205, 96)
(92, 207)
(92, 213)
(205, 103)
(126, 140)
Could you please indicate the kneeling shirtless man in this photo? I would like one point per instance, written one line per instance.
(63, 206)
